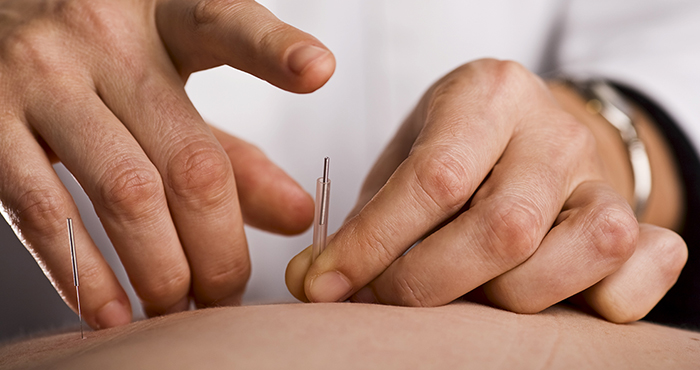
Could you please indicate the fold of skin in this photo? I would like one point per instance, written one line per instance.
(346, 335)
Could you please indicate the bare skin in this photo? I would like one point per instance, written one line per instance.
(99, 86)
(344, 335)
(549, 218)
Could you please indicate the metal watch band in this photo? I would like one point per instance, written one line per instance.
(604, 99)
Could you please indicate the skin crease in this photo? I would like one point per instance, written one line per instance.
(35, 127)
(98, 85)
(350, 335)
(310, 336)
(184, 206)
(630, 290)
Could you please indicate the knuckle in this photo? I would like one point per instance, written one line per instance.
(56, 40)
(32, 46)
(445, 91)
(492, 81)
(130, 185)
(375, 241)
(165, 288)
(219, 283)
(507, 75)
(95, 276)
(71, 11)
(508, 80)
(42, 210)
(413, 293)
(507, 69)
(487, 66)
(614, 231)
(270, 35)
(443, 178)
(514, 224)
(200, 171)
(206, 12)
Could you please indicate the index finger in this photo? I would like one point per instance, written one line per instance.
(460, 143)
(245, 35)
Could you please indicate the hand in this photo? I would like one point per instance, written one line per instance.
(507, 195)
(99, 85)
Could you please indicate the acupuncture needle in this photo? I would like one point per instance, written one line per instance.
(323, 192)
(76, 281)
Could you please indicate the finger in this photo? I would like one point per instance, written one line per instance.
(270, 199)
(631, 292)
(461, 141)
(36, 204)
(245, 35)
(594, 236)
(125, 188)
(507, 219)
(197, 177)
(591, 241)
(295, 273)
(391, 157)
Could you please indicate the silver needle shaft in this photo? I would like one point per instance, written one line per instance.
(325, 193)
(326, 166)
(76, 279)
(323, 190)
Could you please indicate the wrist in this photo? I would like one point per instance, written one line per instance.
(664, 206)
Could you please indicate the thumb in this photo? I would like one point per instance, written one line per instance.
(296, 272)
(201, 34)
(297, 268)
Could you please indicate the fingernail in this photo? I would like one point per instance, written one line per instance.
(303, 56)
(113, 314)
(331, 286)
(365, 295)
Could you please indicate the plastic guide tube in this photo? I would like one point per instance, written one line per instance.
(323, 192)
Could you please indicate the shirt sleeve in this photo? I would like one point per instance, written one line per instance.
(681, 305)
(652, 46)
(651, 50)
